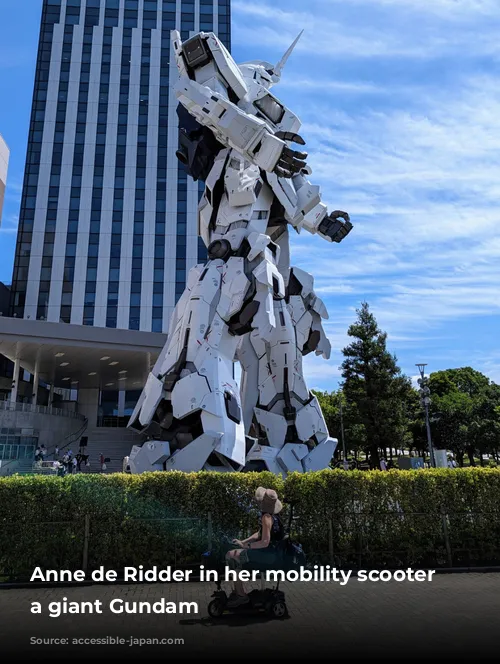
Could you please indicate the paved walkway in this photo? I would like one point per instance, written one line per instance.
(453, 616)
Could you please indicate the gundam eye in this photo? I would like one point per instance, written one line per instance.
(270, 108)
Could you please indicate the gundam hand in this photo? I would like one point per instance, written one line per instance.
(290, 162)
(333, 228)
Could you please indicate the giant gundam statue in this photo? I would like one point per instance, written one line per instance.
(246, 304)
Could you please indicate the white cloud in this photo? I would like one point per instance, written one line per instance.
(487, 363)
(422, 262)
(370, 28)
(317, 39)
(400, 103)
(9, 224)
(319, 368)
(15, 58)
(425, 246)
(452, 10)
(323, 86)
(13, 191)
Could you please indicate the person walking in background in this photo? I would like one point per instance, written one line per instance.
(83, 444)
(101, 460)
(56, 452)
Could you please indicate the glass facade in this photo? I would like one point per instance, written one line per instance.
(107, 229)
(16, 444)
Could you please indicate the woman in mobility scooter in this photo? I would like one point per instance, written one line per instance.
(267, 549)
(261, 548)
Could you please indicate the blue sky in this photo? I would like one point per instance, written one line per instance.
(400, 104)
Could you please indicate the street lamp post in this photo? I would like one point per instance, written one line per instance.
(426, 400)
(342, 429)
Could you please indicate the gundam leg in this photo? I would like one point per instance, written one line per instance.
(283, 417)
(191, 403)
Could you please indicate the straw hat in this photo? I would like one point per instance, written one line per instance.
(267, 500)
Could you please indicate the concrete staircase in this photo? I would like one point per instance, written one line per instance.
(113, 443)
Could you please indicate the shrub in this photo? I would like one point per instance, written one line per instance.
(432, 517)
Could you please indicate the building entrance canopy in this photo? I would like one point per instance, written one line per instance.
(70, 356)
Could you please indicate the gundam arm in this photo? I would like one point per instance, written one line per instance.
(203, 89)
(302, 207)
(333, 227)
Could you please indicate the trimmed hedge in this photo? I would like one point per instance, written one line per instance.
(432, 517)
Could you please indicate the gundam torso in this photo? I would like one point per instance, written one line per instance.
(246, 304)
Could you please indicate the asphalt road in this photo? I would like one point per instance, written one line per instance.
(453, 616)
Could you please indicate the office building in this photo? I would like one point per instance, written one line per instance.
(4, 163)
(107, 229)
(5, 365)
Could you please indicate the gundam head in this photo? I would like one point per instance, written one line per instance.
(249, 82)
(264, 73)
(259, 73)
(259, 77)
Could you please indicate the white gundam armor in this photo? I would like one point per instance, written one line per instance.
(246, 304)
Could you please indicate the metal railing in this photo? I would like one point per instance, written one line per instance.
(41, 468)
(112, 421)
(89, 542)
(393, 540)
(43, 410)
(397, 538)
(72, 437)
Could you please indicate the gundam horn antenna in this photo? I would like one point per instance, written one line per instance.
(281, 64)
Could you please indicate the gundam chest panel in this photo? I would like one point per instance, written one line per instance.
(235, 203)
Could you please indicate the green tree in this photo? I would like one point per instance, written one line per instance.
(328, 402)
(354, 432)
(451, 415)
(374, 384)
(465, 413)
(465, 380)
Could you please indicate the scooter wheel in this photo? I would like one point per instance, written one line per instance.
(279, 610)
(215, 608)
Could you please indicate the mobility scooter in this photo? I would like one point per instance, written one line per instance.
(271, 600)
